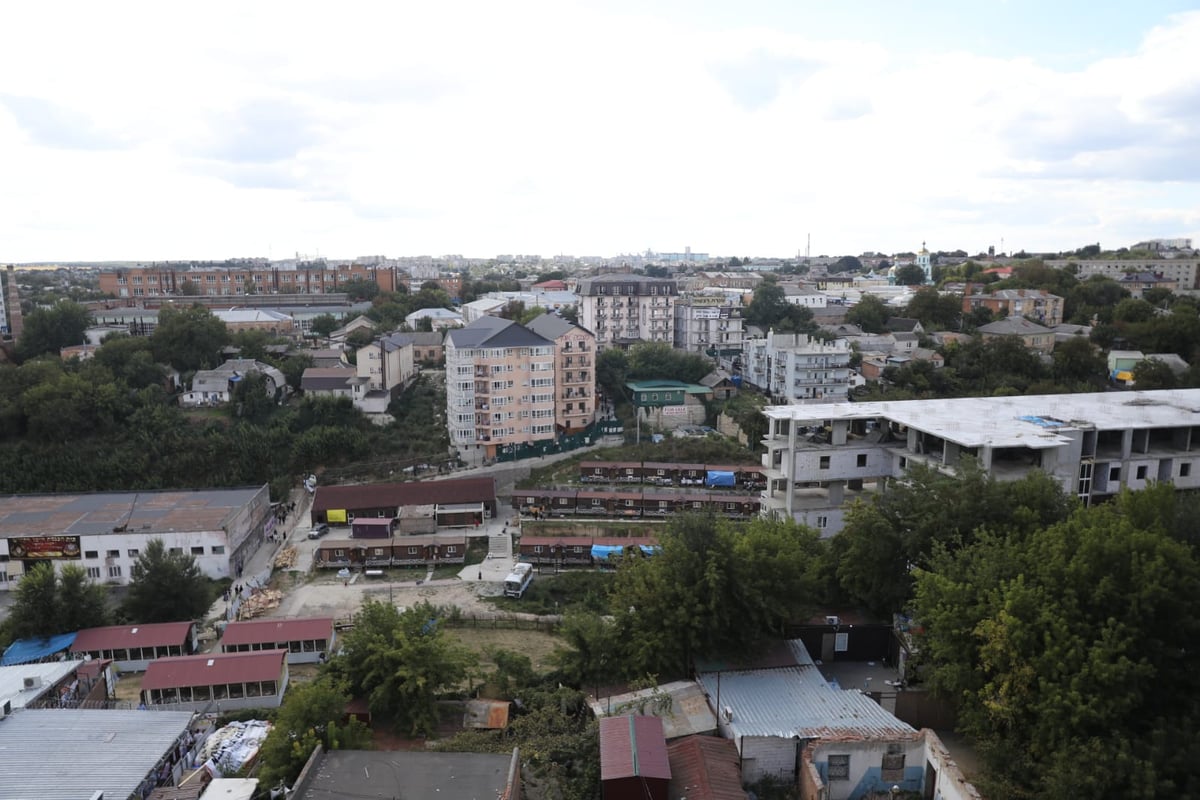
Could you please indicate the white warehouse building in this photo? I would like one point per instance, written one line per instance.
(105, 532)
(820, 457)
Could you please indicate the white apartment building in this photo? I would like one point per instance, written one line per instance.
(705, 323)
(386, 363)
(623, 309)
(1185, 272)
(106, 532)
(795, 368)
(821, 457)
(500, 387)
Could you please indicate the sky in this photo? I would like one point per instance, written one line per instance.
(155, 131)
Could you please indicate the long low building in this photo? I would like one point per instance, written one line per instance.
(399, 551)
(307, 640)
(133, 647)
(340, 505)
(216, 682)
(105, 532)
(821, 457)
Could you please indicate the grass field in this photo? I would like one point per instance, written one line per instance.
(537, 645)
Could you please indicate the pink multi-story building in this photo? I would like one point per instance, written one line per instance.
(574, 371)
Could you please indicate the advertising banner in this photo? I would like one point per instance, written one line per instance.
(44, 547)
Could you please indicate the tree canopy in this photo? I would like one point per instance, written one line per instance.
(312, 713)
(189, 338)
(49, 603)
(166, 586)
(769, 309)
(48, 330)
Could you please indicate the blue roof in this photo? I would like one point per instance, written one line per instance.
(23, 651)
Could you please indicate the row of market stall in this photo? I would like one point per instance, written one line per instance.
(661, 473)
(632, 504)
(390, 551)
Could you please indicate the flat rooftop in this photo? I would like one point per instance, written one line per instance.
(1033, 421)
(131, 512)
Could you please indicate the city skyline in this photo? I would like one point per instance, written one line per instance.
(151, 132)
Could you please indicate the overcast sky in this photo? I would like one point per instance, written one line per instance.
(213, 130)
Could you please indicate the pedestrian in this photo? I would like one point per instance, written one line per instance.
(480, 574)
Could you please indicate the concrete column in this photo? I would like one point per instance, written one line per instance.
(790, 469)
(840, 428)
(1126, 444)
(837, 493)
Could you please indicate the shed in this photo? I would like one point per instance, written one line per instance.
(372, 528)
(306, 639)
(459, 515)
(417, 519)
(133, 647)
(633, 759)
(224, 681)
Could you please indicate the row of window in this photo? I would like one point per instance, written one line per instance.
(200, 694)
(139, 653)
(133, 552)
(449, 549)
(302, 646)
(891, 768)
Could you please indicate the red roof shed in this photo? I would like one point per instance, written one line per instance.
(705, 768)
(633, 759)
(213, 669)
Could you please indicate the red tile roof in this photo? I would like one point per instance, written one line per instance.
(704, 768)
(386, 495)
(633, 746)
(271, 631)
(211, 669)
(122, 637)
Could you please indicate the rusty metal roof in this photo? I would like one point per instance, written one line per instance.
(633, 747)
(704, 768)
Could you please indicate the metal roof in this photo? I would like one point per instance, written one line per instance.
(270, 631)
(415, 774)
(132, 512)
(46, 673)
(705, 768)
(495, 332)
(213, 669)
(121, 637)
(633, 747)
(66, 754)
(1010, 421)
(796, 701)
(395, 495)
(689, 712)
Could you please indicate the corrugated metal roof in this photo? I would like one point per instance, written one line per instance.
(121, 637)
(66, 754)
(633, 746)
(269, 631)
(688, 714)
(704, 768)
(384, 495)
(212, 669)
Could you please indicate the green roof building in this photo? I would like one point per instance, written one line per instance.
(658, 393)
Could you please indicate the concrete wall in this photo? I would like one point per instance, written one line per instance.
(764, 756)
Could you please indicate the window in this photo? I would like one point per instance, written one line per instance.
(218, 549)
(339, 553)
(1114, 473)
(96, 553)
(93, 572)
(114, 571)
(537, 548)
(175, 551)
(451, 549)
(1141, 473)
(114, 553)
(824, 462)
(1185, 469)
(822, 522)
(839, 768)
(412, 551)
(862, 459)
(133, 552)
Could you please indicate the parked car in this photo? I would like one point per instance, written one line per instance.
(318, 531)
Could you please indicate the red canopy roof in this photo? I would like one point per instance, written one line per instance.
(123, 637)
(270, 631)
(213, 669)
(633, 746)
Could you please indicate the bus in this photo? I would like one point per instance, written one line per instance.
(518, 580)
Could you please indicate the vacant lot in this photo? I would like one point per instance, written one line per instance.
(535, 644)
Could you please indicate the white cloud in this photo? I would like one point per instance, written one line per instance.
(147, 130)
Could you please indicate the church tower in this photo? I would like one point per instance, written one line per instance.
(925, 263)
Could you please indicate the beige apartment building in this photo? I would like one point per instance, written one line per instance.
(574, 371)
(247, 279)
(500, 386)
(623, 309)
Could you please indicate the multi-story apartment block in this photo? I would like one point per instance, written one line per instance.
(574, 371)
(821, 457)
(1185, 272)
(500, 386)
(386, 363)
(623, 309)
(708, 324)
(795, 368)
(248, 279)
(1036, 304)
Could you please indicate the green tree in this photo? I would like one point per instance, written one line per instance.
(869, 313)
(250, 400)
(660, 360)
(131, 359)
(166, 587)
(324, 324)
(189, 288)
(847, 264)
(1151, 373)
(769, 309)
(910, 275)
(401, 661)
(935, 310)
(48, 603)
(48, 330)
(1068, 643)
(359, 289)
(311, 714)
(189, 338)
(1077, 360)
(612, 370)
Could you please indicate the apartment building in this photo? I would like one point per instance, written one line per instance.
(705, 323)
(822, 457)
(1185, 272)
(500, 387)
(386, 363)
(623, 309)
(795, 368)
(1036, 304)
(249, 279)
(574, 371)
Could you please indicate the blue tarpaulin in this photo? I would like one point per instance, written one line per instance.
(25, 651)
(718, 478)
(604, 551)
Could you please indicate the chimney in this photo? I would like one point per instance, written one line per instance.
(15, 323)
